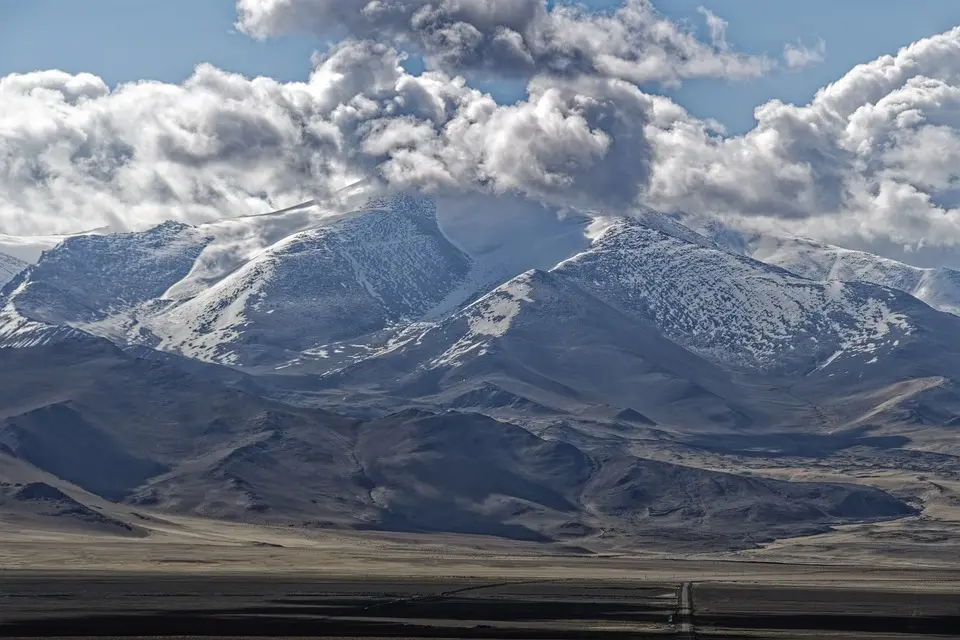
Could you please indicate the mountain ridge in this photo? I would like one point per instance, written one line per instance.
(938, 287)
(370, 369)
(221, 453)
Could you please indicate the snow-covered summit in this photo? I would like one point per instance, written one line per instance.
(938, 287)
(731, 308)
(335, 282)
(457, 276)
(266, 289)
(636, 284)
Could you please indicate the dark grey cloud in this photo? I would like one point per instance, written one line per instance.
(518, 37)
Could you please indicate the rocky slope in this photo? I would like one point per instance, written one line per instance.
(145, 434)
(506, 369)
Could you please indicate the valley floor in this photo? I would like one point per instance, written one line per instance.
(270, 604)
(192, 576)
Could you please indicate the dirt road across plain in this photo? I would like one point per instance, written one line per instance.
(47, 604)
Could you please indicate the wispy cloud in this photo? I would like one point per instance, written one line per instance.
(717, 27)
(797, 55)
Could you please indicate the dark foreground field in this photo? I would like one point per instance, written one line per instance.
(151, 605)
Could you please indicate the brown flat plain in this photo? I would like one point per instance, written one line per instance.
(195, 576)
(192, 545)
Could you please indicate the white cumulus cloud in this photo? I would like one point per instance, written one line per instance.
(74, 154)
(875, 156)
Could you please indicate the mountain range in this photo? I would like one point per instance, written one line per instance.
(479, 365)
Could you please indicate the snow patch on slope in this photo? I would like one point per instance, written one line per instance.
(489, 317)
(203, 327)
(236, 241)
(495, 311)
(17, 331)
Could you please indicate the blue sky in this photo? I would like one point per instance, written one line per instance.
(124, 40)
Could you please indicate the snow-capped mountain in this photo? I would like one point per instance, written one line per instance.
(329, 290)
(9, 267)
(939, 287)
(545, 336)
(729, 309)
(733, 310)
(299, 284)
(91, 280)
(631, 338)
(684, 333)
